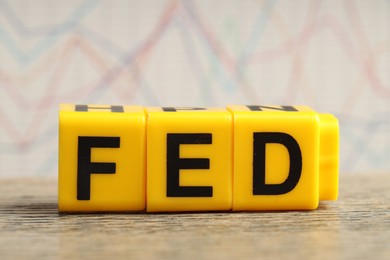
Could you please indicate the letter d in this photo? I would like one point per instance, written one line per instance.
(259, 154)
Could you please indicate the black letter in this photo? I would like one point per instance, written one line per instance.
(283, 108)
(84, 165)
(175, 109)
(84, 108)
(175, 163)
(259, 143)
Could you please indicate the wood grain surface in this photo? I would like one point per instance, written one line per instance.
(356, 226)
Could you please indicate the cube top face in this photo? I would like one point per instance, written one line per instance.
(192, 110)
(189, 160)
(270, 110)
(109, 109)
(270, 146)
(101, 158)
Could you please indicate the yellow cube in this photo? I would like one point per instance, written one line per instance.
(277, 158)
(189, 159)
(101, 158)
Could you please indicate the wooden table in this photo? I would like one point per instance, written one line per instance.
(356, 226)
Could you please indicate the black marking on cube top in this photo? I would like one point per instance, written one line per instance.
(85, 108)
(281, 108)
(176, 109)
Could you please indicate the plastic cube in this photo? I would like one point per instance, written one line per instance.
(101, 158)
(277, 158)
(189, 159)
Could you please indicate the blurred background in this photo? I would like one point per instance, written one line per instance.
(331, 55)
